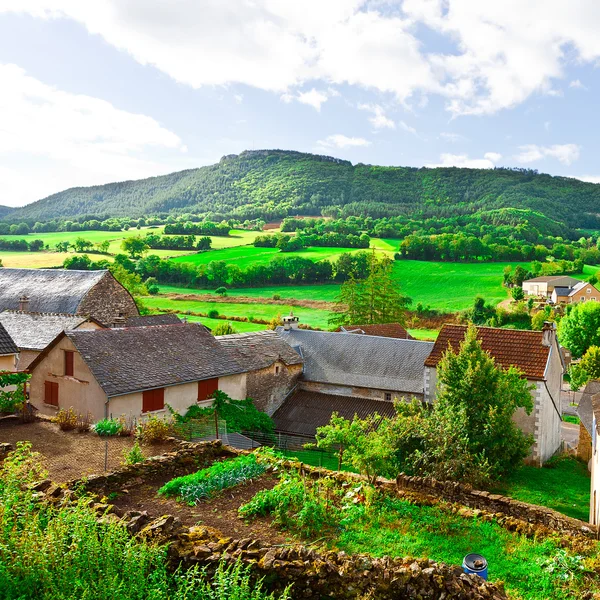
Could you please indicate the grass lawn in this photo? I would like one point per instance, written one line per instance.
(239, 326)
(563, 485)
(428, 335)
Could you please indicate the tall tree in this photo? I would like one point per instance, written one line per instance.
(580, 328)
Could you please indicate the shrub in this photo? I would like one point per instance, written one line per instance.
(153, 430)
(221, 291)
(127, 425)
(84, 423)
(66, 419)
(134, 455)
(276, 297)
(206, 483)
(108, 427)
(14, 399)
(213, 313)
(224, 329)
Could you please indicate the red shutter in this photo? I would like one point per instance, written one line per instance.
(51, 393)
(206, 388)
(153, 400)
(69, 363)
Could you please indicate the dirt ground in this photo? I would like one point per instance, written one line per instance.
(221, 513)
(70, 455)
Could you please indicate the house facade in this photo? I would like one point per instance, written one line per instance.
(133, 371)
(94, 294)
(538, 355)
(542, 287)
(9, 353)
(580, 292)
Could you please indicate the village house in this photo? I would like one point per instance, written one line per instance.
(580, 292)
(348, 374)
(133, 371)
(392, 330)
(9, 353)
(537, 354)
(586, 417)
(595, 462)
(95, 294)
(272, 366)
(542, 287)
(32, 332)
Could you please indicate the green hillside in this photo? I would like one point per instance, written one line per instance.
(271, 184)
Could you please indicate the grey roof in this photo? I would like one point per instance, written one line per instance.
(131, 359)
(549, 278)
(259, 349)
(34, 331)
(7, 345)
(578, 286)
(49, 290)
(584, 408)
(360, 360)
(562, 290)
(147, 320)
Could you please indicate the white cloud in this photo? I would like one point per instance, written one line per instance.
(564, 153)
(577, 84)
(68, 139)
(379, 119)
(239, 98)
(313, 98)
(408, 128)
(590, 178)
(342, 141)
(452, 137)
(463, 161)
(547, 125)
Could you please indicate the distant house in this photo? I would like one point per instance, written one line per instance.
(95, 294)
(391, 330)
(537, 354)
(343, 372)
(580, 292)
(542, 287)
(133, 371)
(32, 332)
(8, 351)
(272, 366)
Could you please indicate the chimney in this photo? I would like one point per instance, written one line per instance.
(118, 322)
(24, 304)
(290, 322)
(548, 333)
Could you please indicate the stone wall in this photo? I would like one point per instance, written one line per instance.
(584, 445)
(269, 389)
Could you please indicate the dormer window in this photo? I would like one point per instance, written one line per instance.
(277, 369)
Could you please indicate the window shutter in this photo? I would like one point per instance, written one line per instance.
(51, 393)
(153, 400)
(69, 363)
(207, 387)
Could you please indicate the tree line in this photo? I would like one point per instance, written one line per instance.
(288, 243)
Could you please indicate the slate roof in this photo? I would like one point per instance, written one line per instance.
(549, 278)
(562, 290)
(584, 408)
(259, 349)
(148, 320)
(304, 411)
(34, 331)
(391, 330)
(360, 360)
(7, 345)
(139, 358)
(49, 290)
(509, 347)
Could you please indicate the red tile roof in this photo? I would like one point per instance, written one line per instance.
(509, 347)
(391, 330)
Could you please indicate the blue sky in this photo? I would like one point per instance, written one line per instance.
(93, 92)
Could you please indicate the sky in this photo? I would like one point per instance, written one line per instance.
(108, 90)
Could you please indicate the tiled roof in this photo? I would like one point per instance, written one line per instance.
(304, 411)
(34, 331)
(391, 330)
(549, 278)
(148, 320)
(259, 349)
(138, 358)
(360, 360)
(7, 345)
(49, 290)
(509, 347)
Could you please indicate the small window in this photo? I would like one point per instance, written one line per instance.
(277, 369)
(51, 393)
(388, 396)
(589, 290)
(593, 298)
(206, 388)
(153, 400)
(69, 363)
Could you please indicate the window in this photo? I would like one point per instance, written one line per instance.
(69, 363)
(51, 393)
(277, 369)
(206, 388)
(589, 290)
(593, 298)
(153, 400)
(388, 396)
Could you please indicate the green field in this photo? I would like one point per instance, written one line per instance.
(239, 326)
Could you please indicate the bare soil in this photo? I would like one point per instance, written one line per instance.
(320, 304)
(71, 455)
(219, 514)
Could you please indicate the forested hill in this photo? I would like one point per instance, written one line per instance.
(4, 210)
(272, 184)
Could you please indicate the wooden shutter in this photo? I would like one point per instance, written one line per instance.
(69, 363)
(153, 400)
(51, 393)
(207, 387)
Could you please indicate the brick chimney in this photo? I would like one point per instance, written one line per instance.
(118, 322)
(548, 333)
(290, 322)
(24, 304)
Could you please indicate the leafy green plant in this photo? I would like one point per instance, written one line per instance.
(13, 399)
(134, 455)
(152, 430)
(206, 483)
(564, 565)
(108, 427)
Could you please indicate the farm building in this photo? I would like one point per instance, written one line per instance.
(133, 371)
(32, 332)
(95, 294)
(272, 366)
(580, 292)
(391, 330)
(8, 351)
(542, 287)
(537, 354)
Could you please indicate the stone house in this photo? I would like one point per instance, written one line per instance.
(272, 367)
(94, 294)
(538, 355)
(580, 292)
(542, 287)
(133, 371)
(32, 332)
(392, 330)
(9, 352)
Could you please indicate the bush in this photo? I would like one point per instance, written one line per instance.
(108, 427)
(213, 313)
(66, 419)
(133, 456)
(276, 297)
(84, 423)
(221, 291)
(224, 329)
(153, 430)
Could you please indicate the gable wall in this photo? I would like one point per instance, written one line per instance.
(584, 295)
(8, 362)
(268, 389)
(107, 300)
(355, 392)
